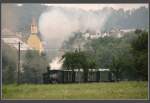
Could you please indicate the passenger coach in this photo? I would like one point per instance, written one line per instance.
(69, 76)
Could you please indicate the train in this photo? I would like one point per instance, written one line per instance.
(77, 76)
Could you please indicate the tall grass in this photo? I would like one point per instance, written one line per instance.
(119, 90)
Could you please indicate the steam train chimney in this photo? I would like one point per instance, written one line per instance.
(48, 68)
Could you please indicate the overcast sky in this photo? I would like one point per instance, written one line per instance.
(99, 6)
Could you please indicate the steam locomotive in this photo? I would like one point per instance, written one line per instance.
(76, 76)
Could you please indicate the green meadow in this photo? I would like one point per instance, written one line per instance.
(113, 90)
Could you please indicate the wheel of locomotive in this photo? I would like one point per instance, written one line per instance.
(54, 81)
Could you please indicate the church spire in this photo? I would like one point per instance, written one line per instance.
(34, 27)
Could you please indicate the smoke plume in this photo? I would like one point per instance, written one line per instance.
(57, 24)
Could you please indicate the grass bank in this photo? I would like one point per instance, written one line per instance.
(120, 90)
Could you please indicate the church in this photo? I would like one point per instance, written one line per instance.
(33, 40)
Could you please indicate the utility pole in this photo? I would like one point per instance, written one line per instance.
(18, 75)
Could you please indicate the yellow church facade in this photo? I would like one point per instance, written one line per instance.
(34, 41)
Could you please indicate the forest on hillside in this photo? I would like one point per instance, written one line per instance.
(19, 17)
(126, 57)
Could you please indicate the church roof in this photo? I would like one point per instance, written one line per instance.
(13, 41)
(33, 37)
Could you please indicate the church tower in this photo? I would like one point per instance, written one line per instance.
(33, 40)
(34, 27)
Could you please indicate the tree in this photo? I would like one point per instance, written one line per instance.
(118, 55)
(140, 52)
(78, 60)
(114, 53)
(117, 66)
(34, 65)
(9, 64)
(69, 63)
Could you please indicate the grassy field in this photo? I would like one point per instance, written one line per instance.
(121, 90)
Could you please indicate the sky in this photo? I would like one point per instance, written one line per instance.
(88, 7)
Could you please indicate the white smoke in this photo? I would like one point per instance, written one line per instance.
(57, 24)
(56, 63)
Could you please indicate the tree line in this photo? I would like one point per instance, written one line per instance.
(126, 57)
(32, 66)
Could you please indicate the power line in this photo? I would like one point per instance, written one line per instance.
(13, 43)
(18, 64)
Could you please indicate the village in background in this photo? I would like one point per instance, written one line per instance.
(48, 44)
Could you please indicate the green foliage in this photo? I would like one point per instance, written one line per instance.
(9, 64)
(74, 60)
(34, 65)
(78, 60)
(140, 52)
(128, 19)
(124, 56)
(115, 54)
